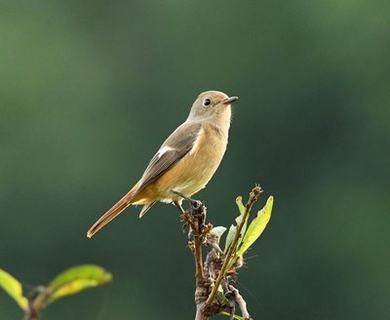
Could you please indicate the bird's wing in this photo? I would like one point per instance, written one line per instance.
(178, 144)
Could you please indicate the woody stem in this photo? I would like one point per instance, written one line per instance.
(196, 221)
(198, 256)
(253, 197)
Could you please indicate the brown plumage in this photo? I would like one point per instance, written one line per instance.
(185, 162)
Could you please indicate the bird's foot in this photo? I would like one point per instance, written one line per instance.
(194, 203)
(195, 217)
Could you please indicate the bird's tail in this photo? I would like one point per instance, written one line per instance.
(111, 214)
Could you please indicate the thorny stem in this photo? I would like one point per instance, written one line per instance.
(196, 224)
(253, 197)
(199, 262)
(198, 249)
(195, 218)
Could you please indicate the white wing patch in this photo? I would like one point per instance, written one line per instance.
(163, 150)
(195, 147)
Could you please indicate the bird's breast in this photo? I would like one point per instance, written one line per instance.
(191, 173)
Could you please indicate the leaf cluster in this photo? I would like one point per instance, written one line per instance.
(222, 264)
(68, 282)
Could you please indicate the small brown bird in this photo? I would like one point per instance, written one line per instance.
(185, 162)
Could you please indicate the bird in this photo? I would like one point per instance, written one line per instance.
(184, 163)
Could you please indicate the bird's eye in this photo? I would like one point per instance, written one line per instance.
(206, 102)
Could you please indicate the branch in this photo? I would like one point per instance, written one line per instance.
(253, 197)
(214, 294)
(195, 220)
(199, 214)
(241, 302)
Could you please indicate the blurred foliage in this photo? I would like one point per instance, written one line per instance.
(14, 289)
(77, 279)
(88, 91)
(69, 282)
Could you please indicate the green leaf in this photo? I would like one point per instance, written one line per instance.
(242, 210)
(218, 232)
(14, 288)
(77, 279)
(234, 317)
(256, 227)
(233, 228)
(240, 205)
(230, 236)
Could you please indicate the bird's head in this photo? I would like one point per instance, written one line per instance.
(212, 106)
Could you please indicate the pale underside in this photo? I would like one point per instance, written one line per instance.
(200, 152)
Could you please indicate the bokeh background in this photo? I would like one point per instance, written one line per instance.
(88, 91)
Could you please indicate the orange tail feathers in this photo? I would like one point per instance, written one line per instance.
(111, 214)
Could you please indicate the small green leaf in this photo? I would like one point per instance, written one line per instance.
(256, 227)
(230, 236)
(243, 230)
(242, 209)
(240, 205)
(233, 228)
(218, 232)
(77, 279)
(14, 288)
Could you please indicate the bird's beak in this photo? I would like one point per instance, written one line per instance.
(230, 100)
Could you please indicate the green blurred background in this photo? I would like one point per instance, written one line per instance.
(88, 91)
